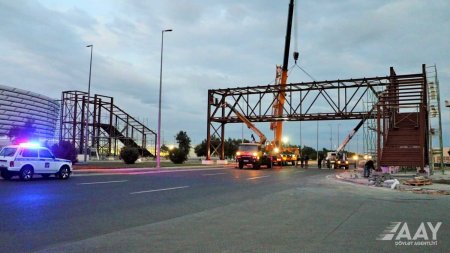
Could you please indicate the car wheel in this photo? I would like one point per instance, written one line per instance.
(64, 172)
(26, 173)
(256, 166)
(241, 165)
(6, 175)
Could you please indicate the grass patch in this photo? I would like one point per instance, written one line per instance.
(121, 164)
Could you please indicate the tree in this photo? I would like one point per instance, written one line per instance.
(180, 154)
(164, 151)
(231, 146)
(177, 156)
(200, 149)
(65, 150)
(311, 152)
(164, 148)
(25, 133)
(129, 154)
(184, 142)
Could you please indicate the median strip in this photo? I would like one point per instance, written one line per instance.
(106, 182)
(160, 190)
(252, 178)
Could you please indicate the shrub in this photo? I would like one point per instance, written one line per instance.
(65, 150)
(129, 154)
(177, 155)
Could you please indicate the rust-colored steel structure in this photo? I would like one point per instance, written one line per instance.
(107, 125)
(318, 100)
(403, 122)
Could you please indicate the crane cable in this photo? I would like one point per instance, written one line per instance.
(296, 53)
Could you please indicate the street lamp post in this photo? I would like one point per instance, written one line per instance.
(339, 126)
(331, 136)
(317, 141)
(158, 145)
(447, 104)
(86, 141)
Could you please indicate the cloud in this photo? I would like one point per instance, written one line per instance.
(214, 44)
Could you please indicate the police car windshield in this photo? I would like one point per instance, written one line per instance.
(8, 151)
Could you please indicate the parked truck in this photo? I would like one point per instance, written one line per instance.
(251, 153)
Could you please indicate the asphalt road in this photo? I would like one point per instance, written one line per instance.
(214, 210)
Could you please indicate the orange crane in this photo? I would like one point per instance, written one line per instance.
(280, 153)
(282, 75)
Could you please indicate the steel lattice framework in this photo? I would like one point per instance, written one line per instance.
(306, 101)
(108, 125)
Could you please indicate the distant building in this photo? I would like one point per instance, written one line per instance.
(18, 106)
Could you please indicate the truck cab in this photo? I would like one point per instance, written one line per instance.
(331, 159)
(252, 154)
(336, 160)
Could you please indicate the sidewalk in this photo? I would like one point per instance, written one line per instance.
(439, 184)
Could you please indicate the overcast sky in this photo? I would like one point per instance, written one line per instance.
(215, 44)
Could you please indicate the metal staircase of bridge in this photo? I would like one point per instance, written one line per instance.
(402, 121)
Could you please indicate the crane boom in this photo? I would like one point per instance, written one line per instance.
(250, 125)
(277, 126)
(353, 132)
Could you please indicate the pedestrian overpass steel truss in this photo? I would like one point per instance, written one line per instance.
(109, 127)
(306, 101)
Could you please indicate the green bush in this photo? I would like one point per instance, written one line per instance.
(65, 150)
(129, 154)
(177, 155)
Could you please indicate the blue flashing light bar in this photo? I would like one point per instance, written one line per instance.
(30, 145)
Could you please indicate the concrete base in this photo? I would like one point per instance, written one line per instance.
(80, 157)
(207, 162)
(222, 162)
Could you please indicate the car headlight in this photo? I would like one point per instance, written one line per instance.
(238, 153)
(255, 154)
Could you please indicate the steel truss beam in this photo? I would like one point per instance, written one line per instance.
(318, 100)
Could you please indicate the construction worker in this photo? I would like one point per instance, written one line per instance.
(319, 161)
(297, 154)
(368, 167)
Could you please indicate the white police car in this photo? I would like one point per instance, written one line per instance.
(27, 159)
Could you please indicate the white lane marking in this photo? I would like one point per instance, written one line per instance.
(160, 190)
(214, 174)
(251, 178)
(106, 182)
(108, 172)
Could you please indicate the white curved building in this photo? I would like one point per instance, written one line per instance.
(18, 106)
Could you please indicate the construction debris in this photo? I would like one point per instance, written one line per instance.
(378, 179)
(418, 181)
